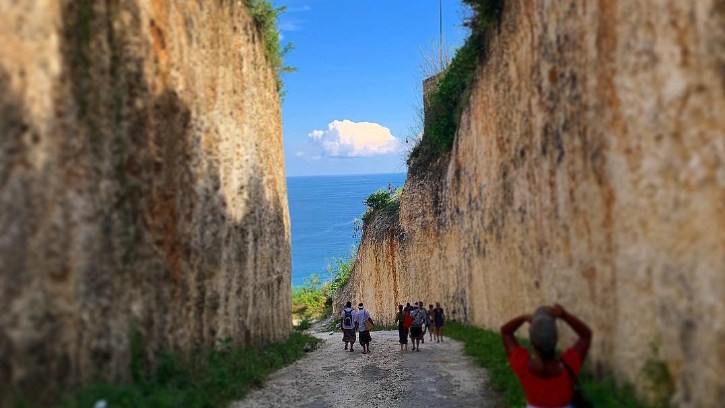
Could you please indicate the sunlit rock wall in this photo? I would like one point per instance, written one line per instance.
(589, 169)
(141, 187)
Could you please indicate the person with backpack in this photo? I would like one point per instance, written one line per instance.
(347, 321)
(364, 324)
(425, 324)
(419, 316)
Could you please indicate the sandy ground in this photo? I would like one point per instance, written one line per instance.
(437, 376)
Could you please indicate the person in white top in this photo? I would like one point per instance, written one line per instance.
(361, 317)
(419, 316)
(347, 321)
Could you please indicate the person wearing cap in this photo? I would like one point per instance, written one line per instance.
(546, 379)
(361, 317)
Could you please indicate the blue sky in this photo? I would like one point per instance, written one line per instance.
(349, 107)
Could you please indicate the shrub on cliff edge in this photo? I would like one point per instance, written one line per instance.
(447, 102)
(310, 301)
(313, 300)
(385, 201)
(265, 17)
(340, 270)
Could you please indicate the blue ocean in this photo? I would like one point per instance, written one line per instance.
(322, 212)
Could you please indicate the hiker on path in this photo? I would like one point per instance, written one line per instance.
(402, 318)
(362, 321)
(439, 319)
(426, 324)
(419, 315)
(347, 321)
(547, 381)
(431, 328)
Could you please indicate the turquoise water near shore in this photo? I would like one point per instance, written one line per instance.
(322, 213)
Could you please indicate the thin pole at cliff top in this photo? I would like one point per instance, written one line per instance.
(440, 27)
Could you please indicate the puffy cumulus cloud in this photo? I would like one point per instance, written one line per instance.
(354, 139)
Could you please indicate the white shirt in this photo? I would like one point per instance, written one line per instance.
(419, 316)
(360, 317)
(342, 315)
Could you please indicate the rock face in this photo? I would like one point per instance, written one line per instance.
(142, 189)
(589, 169)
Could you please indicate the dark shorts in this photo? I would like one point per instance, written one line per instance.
(415, 332)
(403, 334)
(439, 323)
(348, 335)
(365, 337)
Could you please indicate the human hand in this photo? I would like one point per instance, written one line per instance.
(557, 310)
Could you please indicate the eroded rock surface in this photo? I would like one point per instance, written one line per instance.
(141, 187)
(589, 169)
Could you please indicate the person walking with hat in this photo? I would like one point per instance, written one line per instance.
(364, 324)
(547, 381)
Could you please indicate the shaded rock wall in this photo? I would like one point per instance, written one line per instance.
(141, 187)
(589, 169)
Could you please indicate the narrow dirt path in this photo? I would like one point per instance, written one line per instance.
(440, 375)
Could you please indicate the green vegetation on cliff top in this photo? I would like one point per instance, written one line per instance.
(446, 103)
(265, 17)
(382, 202)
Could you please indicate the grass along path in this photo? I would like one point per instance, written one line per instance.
(210, 378)
(440, 375)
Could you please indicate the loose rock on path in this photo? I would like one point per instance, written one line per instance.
(438, 376)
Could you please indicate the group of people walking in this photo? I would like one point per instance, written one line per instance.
(414, 320)
(548, 379)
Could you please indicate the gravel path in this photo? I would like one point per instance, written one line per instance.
(438, 376)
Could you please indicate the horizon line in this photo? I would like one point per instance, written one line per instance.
(343, 175)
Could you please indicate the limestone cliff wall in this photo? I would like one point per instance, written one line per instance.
(589, 169)
(141, 187)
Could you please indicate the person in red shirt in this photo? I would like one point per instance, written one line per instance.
(544, 377)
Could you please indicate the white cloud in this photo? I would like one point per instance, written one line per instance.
(298, 9)
(288, 26)
(352, 139)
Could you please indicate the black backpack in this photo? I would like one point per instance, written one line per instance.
(348, 318)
